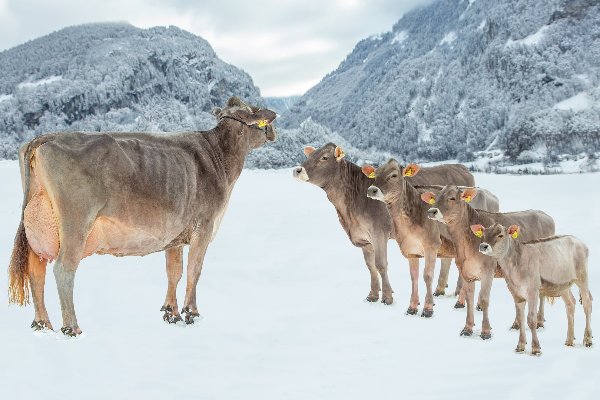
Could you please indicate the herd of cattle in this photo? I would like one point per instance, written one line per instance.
(138, 193)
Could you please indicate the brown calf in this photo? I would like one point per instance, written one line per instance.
(416, 235)
(453, 208)
(547, 267)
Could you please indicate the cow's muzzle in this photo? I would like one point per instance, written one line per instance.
(435, 214)
(485, 248)
(375, 193)
(271, 134)
(300, 174)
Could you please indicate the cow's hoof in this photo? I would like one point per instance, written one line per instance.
(536, 352)
(438, 293)
(68, 331)
(387, 301)
(515, 326)
(540, 325)
(41, 325)
(372, 299)
(411, 311)
(172, 318)
(466, 332)
(427, 313)
(486, 336)
(569, 343)
(588, 344)
(519, 350)
(478, 308)
(459, 305)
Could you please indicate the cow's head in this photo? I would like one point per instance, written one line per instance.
(496, 239)
(388, 179)
(246, 124)
(447, 205)
(322, 165)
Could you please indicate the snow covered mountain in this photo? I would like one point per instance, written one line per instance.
(462, 76)
(114, 77)
(281, 104)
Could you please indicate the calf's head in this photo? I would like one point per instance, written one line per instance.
(447, 205)
(496, 239)
(246, 125)
(322, 165)
(388, 180)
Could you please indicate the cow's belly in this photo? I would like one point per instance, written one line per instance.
(107, 236)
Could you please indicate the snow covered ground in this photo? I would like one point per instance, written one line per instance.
(282, 296)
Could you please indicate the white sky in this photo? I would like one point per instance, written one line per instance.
(287, 46)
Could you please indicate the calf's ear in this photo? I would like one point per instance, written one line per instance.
(216, 111)
(478, 230)
(308, 150)
(369, 171)
(339, 153)
(410, 170)
(428, 198)
(514, 231)
(468, 195)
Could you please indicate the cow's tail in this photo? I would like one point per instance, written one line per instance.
(18, 287)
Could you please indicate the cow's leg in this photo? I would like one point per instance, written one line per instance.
(413, 264)
(428, 271)
(72, 243)
(484, 301)
(533, 297)
(196, 255)
(443, 278)
(470, 296)
(460, 292)
(36, 269)
(520, 306)
(570, 306)
(380, 248)
(540, 314)
(369, 255)
(586, 301)
(174, 258)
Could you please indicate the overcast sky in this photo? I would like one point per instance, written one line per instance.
(287, 46)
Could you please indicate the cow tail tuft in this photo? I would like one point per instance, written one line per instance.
(18, 288)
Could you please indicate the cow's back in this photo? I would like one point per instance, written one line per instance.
(456, 174)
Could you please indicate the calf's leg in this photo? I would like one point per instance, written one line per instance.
(380, 248)
(532, 298)
(570, 306)
(36, 269)
(484, 300)
(520, 306)
(174, 260)
(443, 278)
(413, 264)
(470, 296)
(540, 314)
(369, 255)
(198, 247)
(586, 300)
(430, 258)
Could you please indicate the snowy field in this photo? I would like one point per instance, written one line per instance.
(282, 296)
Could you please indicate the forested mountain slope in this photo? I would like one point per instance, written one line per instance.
(466, 75)
(114, 77)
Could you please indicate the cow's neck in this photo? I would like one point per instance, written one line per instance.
(407, 205)
(348, 189)
(510, 260)
(229, 154)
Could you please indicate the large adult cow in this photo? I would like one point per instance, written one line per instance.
(128, 194)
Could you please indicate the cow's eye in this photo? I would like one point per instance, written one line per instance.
(500, 236)
(324, 158)
(452, 198)
(394, 175)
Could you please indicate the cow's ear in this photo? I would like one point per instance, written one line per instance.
(514, 231)
(369, 171)
(308, 150)
(339, 153)
(428, 198)
(410, 170)
(216, 111)
(468, 195)
(478, 230)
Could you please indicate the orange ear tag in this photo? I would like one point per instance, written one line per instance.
(408, 173)
(468, 199)
(479, 233)
(262, 123)
(432, 201)
(372, 175)
(515, 235)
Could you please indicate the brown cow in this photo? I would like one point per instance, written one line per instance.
(546, 267)
(415, 234)
(367, 222)
(128, 194)
(453, 208)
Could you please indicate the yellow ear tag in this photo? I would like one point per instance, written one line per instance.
(432, 201)
(408, 173)
(262, 123)
(515, 235)
(479, 233)
(468, 199)
(372, 175)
